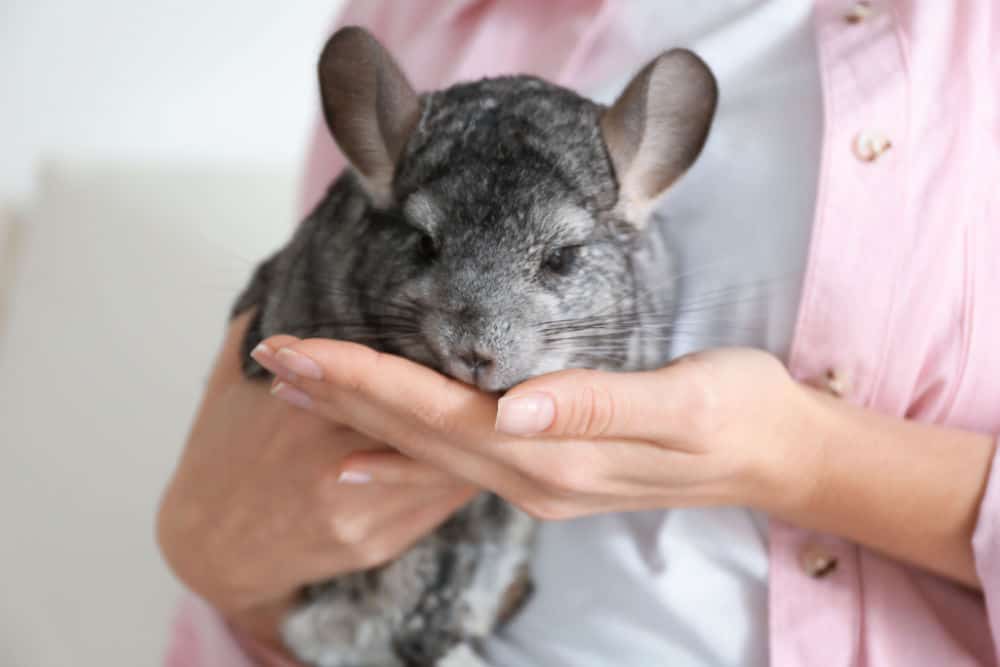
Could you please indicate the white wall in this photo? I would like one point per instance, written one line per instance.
(118, 302)
(122, 252)
(228, 80)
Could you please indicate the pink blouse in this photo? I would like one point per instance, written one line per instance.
(901, 300)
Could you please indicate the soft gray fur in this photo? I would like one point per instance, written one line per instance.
(493, 231)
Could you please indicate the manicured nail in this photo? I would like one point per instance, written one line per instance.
(290, 394)
(299, 364)
(354, 477)
(526, 414)
(262, 353)
(264, 356)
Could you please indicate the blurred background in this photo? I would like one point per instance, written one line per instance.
(149, 156)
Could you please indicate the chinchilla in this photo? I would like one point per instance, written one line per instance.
(494, 231)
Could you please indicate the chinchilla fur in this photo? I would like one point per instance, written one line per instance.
(493, 231)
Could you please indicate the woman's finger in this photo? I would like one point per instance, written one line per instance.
(475, 459)
(392, 535)
(650, 406)
(265, 355)
(388, 467)
(327, 370)
(424, 414)
(406, 529)
(350, 512)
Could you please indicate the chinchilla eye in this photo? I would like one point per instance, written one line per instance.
(426, 247)
(562, 260)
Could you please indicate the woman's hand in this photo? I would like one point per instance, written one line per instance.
(257, 506)
(713, 428)
(722, 427)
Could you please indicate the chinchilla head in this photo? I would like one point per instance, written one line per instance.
(516, 205)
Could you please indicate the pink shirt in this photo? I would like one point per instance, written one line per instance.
(901, 300)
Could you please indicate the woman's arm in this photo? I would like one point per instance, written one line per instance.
(258, 507)
(907, 489)
(725, 427)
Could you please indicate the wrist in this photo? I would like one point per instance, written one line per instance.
(907, 489)
(792, 458)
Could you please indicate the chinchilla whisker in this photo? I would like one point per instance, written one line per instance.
(781, 281)
(615, 339)
(623, 319)
(704, 311)
(614, 355)
(709, 317)
(721, 301)
(643, 317)
(227, 250)
(370, 320)
(762, 289)
(377, 337)
(595, 353)
(217, 288)
(711, 268)
(581, 339)
(381, 329)
(702, 319)
(649, 332)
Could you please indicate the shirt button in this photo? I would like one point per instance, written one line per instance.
(859, 12)
(869, 146)
(816, 561)
(836, 383)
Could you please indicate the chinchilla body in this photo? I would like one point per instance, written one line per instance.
(493, 231)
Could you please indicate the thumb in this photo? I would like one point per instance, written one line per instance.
(594, 404)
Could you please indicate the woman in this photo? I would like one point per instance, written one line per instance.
(869, 450)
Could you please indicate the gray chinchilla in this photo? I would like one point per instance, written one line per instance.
(493, 231)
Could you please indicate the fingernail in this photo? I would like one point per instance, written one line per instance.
(290, 394)
(354, 477)
(261, 352)
(299, 364)
(526, 414)
(264, 356)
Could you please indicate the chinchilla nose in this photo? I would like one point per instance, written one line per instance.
(474, 361)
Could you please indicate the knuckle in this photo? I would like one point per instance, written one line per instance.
(697, 411)
(437, 415)
(592, 413)
(373, 554)
(359, 379)
(348, 530)
(548, 508)
(566, 481)
(302, 426)
(433, 417)
(328, 489)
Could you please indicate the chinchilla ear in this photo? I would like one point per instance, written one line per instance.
(369, 106)
(657, 127)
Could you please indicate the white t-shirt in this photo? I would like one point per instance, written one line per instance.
(689, 586)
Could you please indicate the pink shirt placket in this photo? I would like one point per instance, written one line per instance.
(815, 620)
